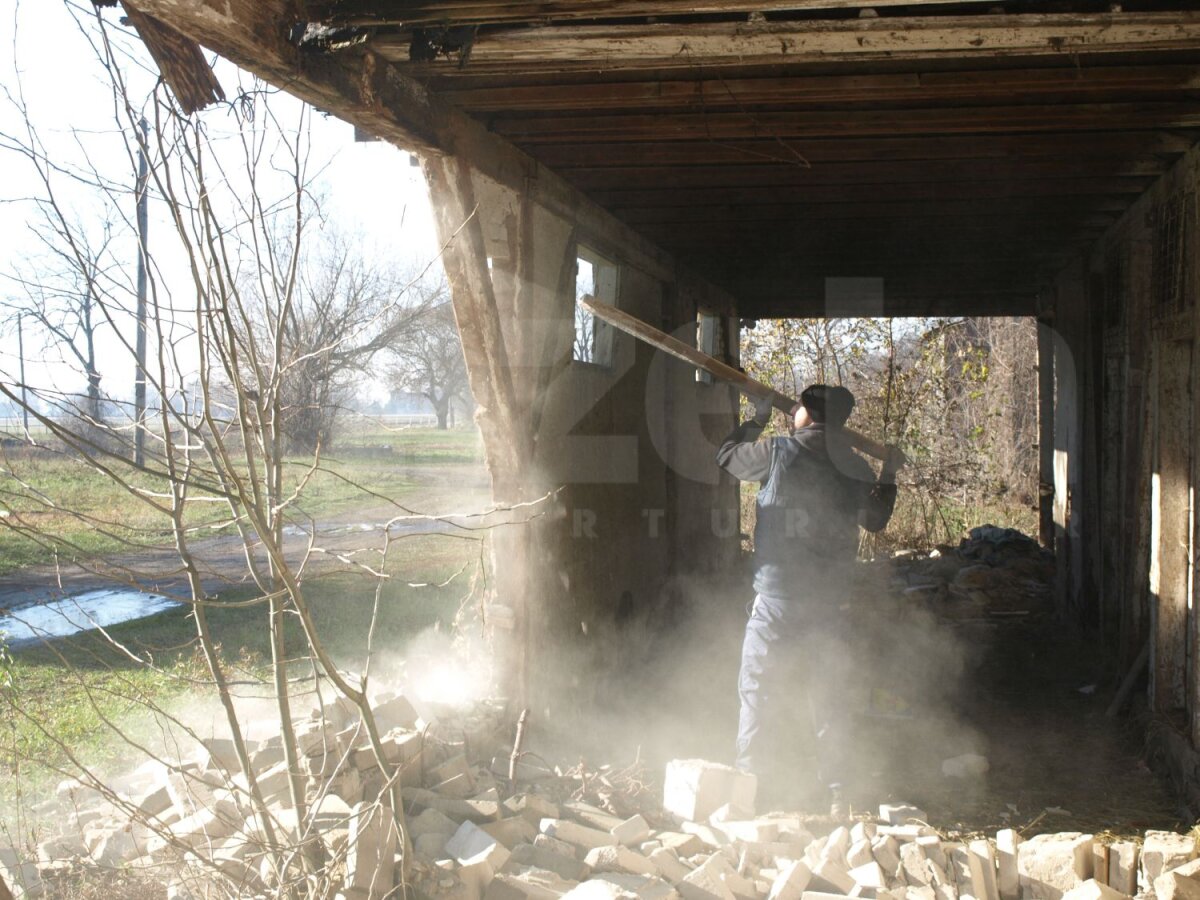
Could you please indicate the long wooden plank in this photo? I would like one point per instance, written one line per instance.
(798, 124)
(688, 45)
(1063, 84)
(909, 171)
(851, 193)
(886, 149)
(473, 12)
(884, 209)
(749, 386)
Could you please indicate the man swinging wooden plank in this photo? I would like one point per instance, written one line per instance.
(815, 493)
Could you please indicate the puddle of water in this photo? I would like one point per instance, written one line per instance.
(82, 612)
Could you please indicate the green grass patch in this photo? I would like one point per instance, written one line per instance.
(66, 696)
(413, 445)
(61, 510)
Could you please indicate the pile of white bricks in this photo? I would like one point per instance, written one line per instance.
(192, 820)
(474, 836)
(707, 845)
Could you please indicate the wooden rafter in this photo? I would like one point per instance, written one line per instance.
(902, 172)
(880, 208)
(703, 45)
(1063, 84)
(697, 199)
(475, 12)
(796, 124)
(773, 153)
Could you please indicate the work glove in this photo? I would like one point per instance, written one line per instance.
(762, 411)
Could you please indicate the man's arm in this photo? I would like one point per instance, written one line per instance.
(880, 499)
(743, 455)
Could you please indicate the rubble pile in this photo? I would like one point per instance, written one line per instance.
(549, 834)
(993, 572)
(197, 819)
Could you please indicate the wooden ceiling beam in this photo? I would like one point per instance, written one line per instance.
(701, 45)
(784, 295)
(920, 237)
(906, 172)
(1062, 83)
(792, 125)
(957, 209)
(1053, 145)
(871, 193)
(961, 300)
(478, 12)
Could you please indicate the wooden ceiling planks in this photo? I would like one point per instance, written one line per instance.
(953, 148)
(1056, 85)
(850, 173)
(961, 150)
(773, 153)
(848, 123)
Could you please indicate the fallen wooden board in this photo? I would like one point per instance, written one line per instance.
(743, 382)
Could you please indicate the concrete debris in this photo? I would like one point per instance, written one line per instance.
(1123, 859)
(1094, 890)
(1049, 865)
(1163, 851)
(694, 789)
(475, 836)
(22, 877)
(1180, 883)
(901, 813)
(968, 765)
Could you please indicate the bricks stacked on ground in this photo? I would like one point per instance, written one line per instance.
(475, 837)
(194, 817)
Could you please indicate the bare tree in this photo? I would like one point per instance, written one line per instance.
(325, 327)
(264, 331)
(430, 361)
(67, 292)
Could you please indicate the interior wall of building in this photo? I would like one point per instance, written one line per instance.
(1128, 323)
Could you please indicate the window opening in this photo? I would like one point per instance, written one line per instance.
(708, 333)
(595, 280)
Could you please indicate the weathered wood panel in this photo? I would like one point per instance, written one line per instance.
(1060, 85)
(1171, 524)
(180, 61)
(471, 12)
(939, 172)
(690, 44)
(794, 124)
(1113, 537)
(999, 207)
(857, 193)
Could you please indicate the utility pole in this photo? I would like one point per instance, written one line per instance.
(21, 357)
(139, 376)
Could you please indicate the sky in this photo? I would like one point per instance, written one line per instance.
(371, 191)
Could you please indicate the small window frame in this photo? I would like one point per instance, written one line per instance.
(596, 348)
